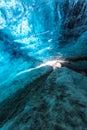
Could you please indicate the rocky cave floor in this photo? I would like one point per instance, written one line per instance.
(51, 100)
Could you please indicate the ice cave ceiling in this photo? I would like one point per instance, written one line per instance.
(44, 28)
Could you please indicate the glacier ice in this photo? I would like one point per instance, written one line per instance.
(41, 30)
(33, 32)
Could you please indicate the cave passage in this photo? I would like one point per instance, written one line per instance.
(43, 40)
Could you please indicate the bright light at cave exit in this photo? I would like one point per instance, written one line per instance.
(53, 63)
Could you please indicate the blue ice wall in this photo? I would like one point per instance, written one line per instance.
(32, 24)
(33, 96)
(40, 27)
(39, 30)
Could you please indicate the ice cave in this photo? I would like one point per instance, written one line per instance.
(43, 64)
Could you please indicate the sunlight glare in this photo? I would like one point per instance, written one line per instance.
(54, 64)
